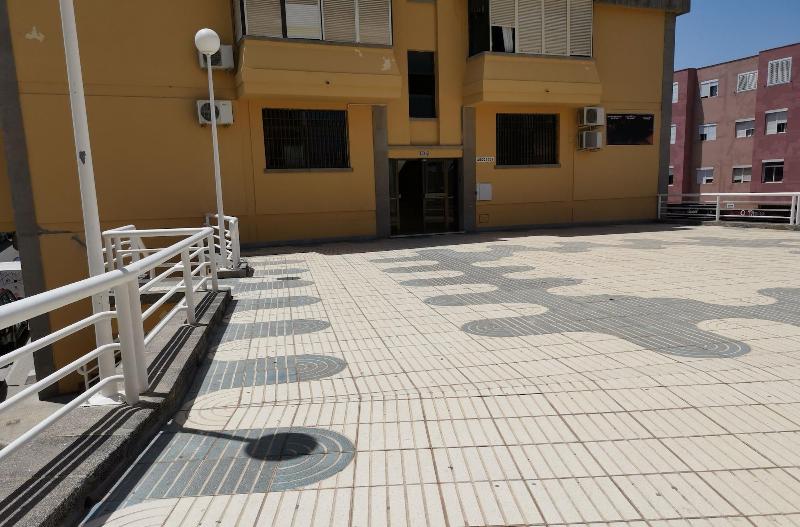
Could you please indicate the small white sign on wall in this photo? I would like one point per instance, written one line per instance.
(484, 159)
(484, 192)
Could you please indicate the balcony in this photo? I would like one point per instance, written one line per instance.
(531, 79)
(317, 70)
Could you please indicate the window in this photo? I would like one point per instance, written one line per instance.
(673, 134)
(777, 121)
(745, 128)
(747, 81)
(779, 71)
(629, 129)
(421, 84)
(773, 171)
(742, 174)
(527, 139)
(305, 139)
(708, 132)
(674, 92)
(705, 176)
(542, 27)
(362, 21)
(671, 176)
(709, 89)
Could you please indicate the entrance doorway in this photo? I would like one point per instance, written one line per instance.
(423, 196)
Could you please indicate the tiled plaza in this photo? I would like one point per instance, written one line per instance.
(621, 376)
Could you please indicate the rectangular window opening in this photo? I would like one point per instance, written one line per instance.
(421, 84)
(742, 174)
(709, 89)
(527, 139)
(772, 171)
(705, 176)
(745, 128)
(305, 139)
(630, 129)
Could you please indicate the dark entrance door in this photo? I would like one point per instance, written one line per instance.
(423, 196)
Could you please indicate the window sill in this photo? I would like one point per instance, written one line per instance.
(304, 170)
(423, 118)
(509, 167)
(772, 182)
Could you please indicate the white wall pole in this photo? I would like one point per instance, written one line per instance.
(91, 217)
(223, 248)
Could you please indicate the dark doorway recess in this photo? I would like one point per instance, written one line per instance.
(423, 196)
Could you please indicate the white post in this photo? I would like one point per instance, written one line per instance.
(188, 287)
(91, 217)
(659, 206)
(212, 263)
(793, 210)
(718, 207)
(223, 249)
(236, 250)
(126, 341)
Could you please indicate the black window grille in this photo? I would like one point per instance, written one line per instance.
(305, 139)
(421, 84)
(527, 139)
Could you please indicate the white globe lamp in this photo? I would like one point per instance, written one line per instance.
(207, 41)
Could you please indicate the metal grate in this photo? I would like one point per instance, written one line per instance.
(300, 139)
(527, 139)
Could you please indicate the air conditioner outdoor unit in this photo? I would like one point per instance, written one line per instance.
(224, 112)
(591, 140)
(592, 116)
(221, 60)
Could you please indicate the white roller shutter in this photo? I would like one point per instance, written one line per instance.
(374, 21)
(555, 27)
(339, 20)
(775, 118)
(263, 18)
(530, 26)
(503, 12)
(580, 28)
(303, 19)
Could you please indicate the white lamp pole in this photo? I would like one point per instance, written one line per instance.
(91, 217)
(207, 42)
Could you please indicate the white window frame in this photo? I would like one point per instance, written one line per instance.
(764, 162)
(755, 83)
(702, 180)
(741, 167)
(746, 120)
(784, 122)
(776, 62)
(673, 133)
(675, 88)
(703, 132)
(709, 83)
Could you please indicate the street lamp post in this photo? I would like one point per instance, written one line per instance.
(207, 42)
(91, 217)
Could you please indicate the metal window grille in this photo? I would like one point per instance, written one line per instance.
(527, 139)
(304, 139)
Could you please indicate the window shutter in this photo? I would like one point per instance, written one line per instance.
(530, 26)
(580, 28)
(674, 92)
(746, 81)
(502, 13)
(555, 27)
(303, 19)
(711, 132)
(374, 22)
(263, 18)
(779, 71)
(774, 119)
(339, 20)
(673, 134)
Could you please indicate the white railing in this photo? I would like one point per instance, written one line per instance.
(123, 281)
(766, 207)
(230, 251)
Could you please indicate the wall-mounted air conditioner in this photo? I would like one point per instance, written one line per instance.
(221, 60)
(592, 116)
(224, 112)
(591, 140)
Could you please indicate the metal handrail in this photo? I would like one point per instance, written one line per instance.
(124, 282)
(231, 247)
(793, 209)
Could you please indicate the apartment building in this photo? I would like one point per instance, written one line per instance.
(341, 119)
(735, 125)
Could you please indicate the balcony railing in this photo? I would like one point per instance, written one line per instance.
(191, 257)
(230, 258)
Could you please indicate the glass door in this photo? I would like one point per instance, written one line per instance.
(434, 204)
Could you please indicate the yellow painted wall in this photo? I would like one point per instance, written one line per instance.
(617, 183)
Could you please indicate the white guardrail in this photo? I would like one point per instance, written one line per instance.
(766, 207)
(128, 260)
(230, 251)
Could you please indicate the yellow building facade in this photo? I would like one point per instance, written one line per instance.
(350, 118)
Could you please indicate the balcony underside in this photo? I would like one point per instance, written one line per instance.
(279, 68)
(525, 79)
